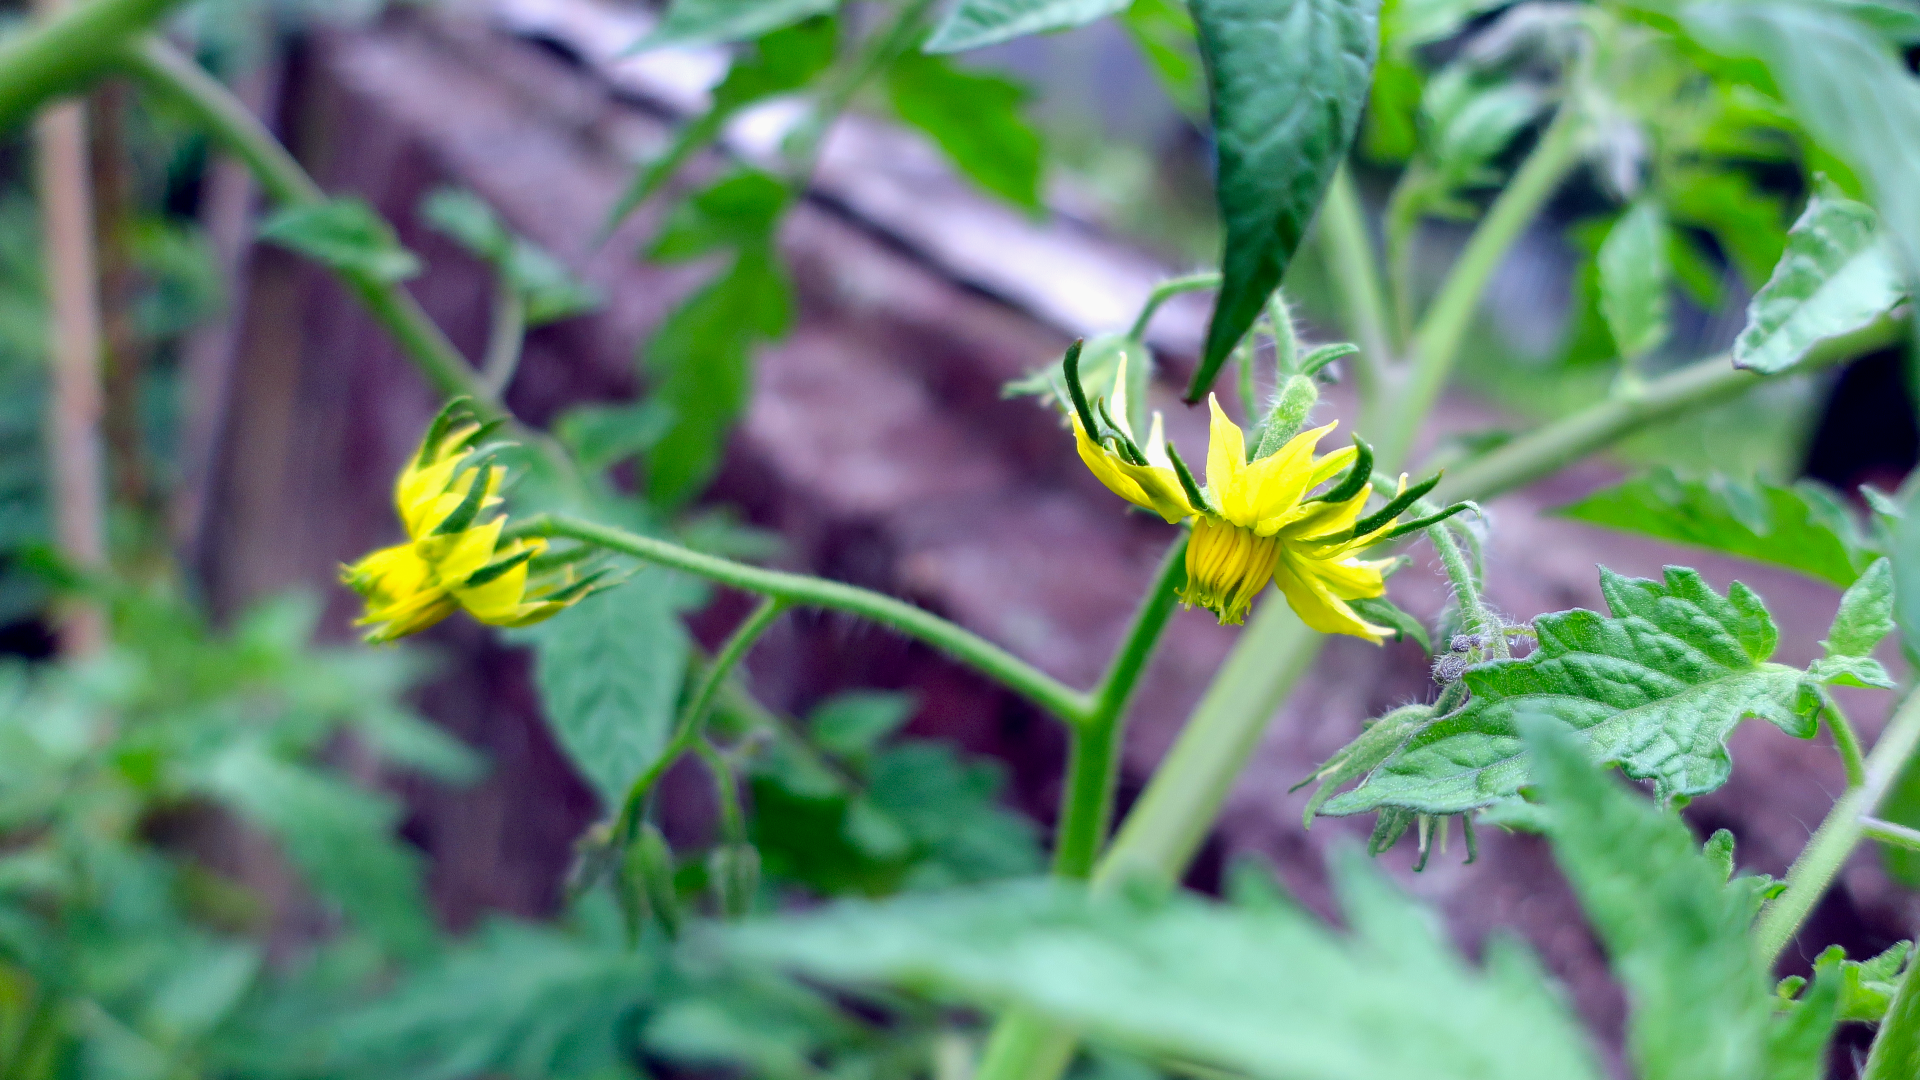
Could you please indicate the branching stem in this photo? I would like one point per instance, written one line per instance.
(1164, 292)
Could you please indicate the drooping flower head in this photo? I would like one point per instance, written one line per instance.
(452, 558)
(1278, 517)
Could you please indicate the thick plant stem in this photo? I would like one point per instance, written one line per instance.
(68, 49)
(799, 590)
(1093, 763)
(1166, 827)
(1553, 446)
(73, 411)
(1436, 344)
(1896, 1046)
(1820, 861)
(1356, 274)
(228, 121)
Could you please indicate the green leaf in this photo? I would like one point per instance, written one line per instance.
(548, 289)
(713, 22)
(701, 355)
(853, 724)
(1803, 528)
(1865, 615)
(609, 670)
(1905, 553)
(345, 234)
(1677, 936)
(1163, 32)
(976, 118)
(1846, 85)
(340, 837)
(601, 436)
(1656, 687)
(780, 63)
(1836, 276)
(1408, 24)
(740, 209)
(522, 1001)
(1287, 79)
(1634, 273)
(977, 23)
(1745, 219)
(1264, 990)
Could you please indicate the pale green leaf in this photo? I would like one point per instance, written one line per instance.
(1264, 990)
(976, 118)
(976, 23)
(853, 724)
(345, 234)
(1656, 687)
(1846, 85)
(1675, 933)
(1287, 80)
(1803, 528)
(1163, 32)
(1634, 273)
(1836, 276)
(548, 289)
(1866, 613)
(713, 22)
(609, 670)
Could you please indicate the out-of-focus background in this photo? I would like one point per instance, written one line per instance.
(254, 417)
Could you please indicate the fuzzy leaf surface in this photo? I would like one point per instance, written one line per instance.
(1287, 80)
(1803, 527)
(1835, 276)
(609, 671)
(1675, 933)
(1657, 686)
(1265, 990)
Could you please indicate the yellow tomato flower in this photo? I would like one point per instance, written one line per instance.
(1255, 521)
(452, 559)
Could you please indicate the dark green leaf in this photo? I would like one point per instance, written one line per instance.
(1633, 280)
(781, 62)
(976, 118)
(609, 671)
(1848, 87)
(345, 234)
(1263, 990)
(712, 22)
(1287, 79)
(1803, 528)
(1744, 218)
(1836, 276)
(339, 836)
(740, 209)
(701, 356)
(1656, 687)
(1676, 934)
(976, 23)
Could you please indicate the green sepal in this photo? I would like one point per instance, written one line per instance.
(463, 515)
(1195, 497)
(1378, 519)
(454, 411)
(1430, 520)
(1381, 611)
(1355, 478)
(1070, 366)
(1320, 357)
(733, 873)
(495, 570)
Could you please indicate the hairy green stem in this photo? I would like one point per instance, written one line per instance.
(1466, 590)
(689, 728)
(1887, 832)
(1164, 292)
(1093, 761)
(1356, 277)
(1820, 861)
(1845, 741)
(1436, 344)
(1166, 827)
(1896, 1046)
(66, 52)
(800, 590)
(1555, 445)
